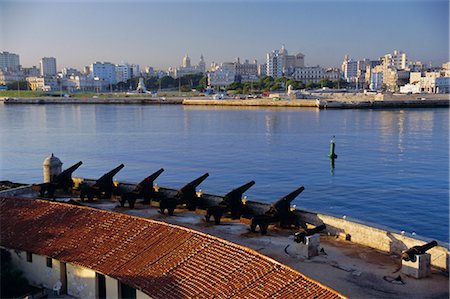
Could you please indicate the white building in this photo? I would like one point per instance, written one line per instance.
(103, 71)
(274, 64)
(332, 74)
(308, 74)
(48, 66)
(9, 61)
(222, 76)
(397, 60)
(262, 70)
(123, 72)
(187, 69)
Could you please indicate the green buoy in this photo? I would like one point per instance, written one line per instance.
(332, 154)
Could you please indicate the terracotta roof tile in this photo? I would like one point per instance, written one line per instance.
(162, 260)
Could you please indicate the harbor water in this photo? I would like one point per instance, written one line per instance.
(392, 167)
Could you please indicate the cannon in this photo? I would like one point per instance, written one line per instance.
(61, 181)
(300, 236)
(142, 190)
(232, 202)
(103, 188)
(410, 254)
(279, 212)
(185, 195)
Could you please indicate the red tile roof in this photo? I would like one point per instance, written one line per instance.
(160, 259)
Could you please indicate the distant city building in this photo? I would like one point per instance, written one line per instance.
(9, 77)
(280, 63)
(246, 71)
(332, 74)
(48, 66)
(149, 71)
(262, 70)
(46, 83)
(274, 64)
(443, 85)
(9, 61)
(398, 60)
(202, 64)
(67, 71)
(123, 72)
(308, 74)
(80, 83)
(222, 76)
(103, 71)
(187, 69)
(31, 71)
(186, 62)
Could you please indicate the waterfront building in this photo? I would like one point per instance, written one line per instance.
(80, 83)
(428, 82)
(43, 83)
(48, 66)
(123, 72)
(149, 71)
(280, 63)
(332, 74)
(443, 85)
(222, 76)
(103, 71)
(9, 61)
(376, 79)
(354, 71)
(9, 77)
(308, 74)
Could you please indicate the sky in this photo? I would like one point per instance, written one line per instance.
(160, 33)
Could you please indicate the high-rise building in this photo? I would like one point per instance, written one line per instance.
(280, 63)
(9, 61)
(104, 71)
(48, 66)
(397, 60)
(274, 64)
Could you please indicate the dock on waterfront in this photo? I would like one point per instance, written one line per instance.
(338, 101)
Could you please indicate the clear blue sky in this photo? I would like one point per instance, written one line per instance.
(159, 33)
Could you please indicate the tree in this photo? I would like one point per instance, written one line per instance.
(167, 82)
(202, 83)
(21, 85)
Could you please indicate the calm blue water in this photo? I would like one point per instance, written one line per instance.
(392, 167)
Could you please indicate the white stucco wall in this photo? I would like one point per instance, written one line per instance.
(80, 282)
(112, 288)
(37, 273)
(141, 295)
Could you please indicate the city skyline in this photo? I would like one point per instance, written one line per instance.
(160, 34)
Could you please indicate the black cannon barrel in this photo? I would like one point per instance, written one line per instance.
(107, 177)
(283, 204)
(301, 235)
(239, 190)
(67, 173)
(410, 254)
(149, 180)
(193, 184)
